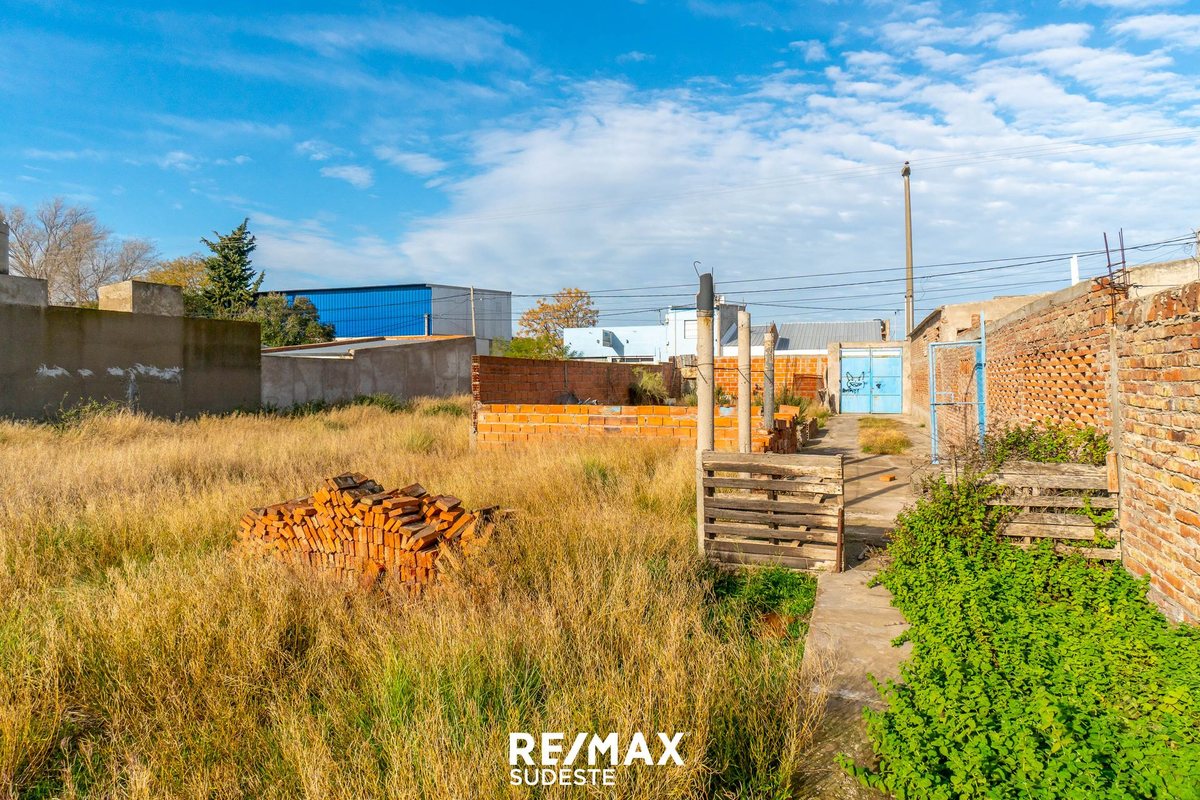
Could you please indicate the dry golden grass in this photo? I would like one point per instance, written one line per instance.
(882, 436)
(140, 658)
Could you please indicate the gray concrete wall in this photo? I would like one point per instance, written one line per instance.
(17, 290)
(437, 368)
(56, 357)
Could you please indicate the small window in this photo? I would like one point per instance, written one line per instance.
(689, 329)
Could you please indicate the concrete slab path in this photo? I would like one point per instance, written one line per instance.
(853, 624)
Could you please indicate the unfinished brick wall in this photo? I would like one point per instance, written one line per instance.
(1052, 363)
(1158, 370)
(501, 424)
(802, 375)
(496, 379)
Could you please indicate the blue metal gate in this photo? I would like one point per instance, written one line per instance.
(871, 381)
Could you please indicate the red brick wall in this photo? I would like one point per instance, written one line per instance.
(1158, 369)
(496, 379)
(1053, 363)
(502, 424)
(804, 375)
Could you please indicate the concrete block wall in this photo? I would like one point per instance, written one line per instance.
(496, 379)
(57, 357)
(1158, 380)
(804, 375)
(438, 367)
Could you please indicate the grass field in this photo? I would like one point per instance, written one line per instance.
(141, 658)
(882, 436)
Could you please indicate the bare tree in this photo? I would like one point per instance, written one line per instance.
(68, 248)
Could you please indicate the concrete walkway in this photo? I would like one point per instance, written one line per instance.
(853, 626)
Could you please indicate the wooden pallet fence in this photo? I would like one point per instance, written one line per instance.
(773, 508)
(351, 527)
(1051, 502)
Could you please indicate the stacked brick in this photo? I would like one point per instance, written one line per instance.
(801, 375)
(352, 528)
(1158, 370)
(500, 424)
(531, 381)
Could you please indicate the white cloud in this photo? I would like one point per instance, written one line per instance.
(416, 163)
(178, 160)
(224, 128)
(1046, 36)
(455, 40)
(1180, 30)
(1127, 5)
(356, 176)
(634, 56)
(810, 49)
(319, 150)
(86, 154)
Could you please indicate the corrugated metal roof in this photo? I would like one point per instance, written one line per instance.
(795, 336)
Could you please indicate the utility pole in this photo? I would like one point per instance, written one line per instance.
(908, 259)
(743, 395)
(3, 247)
(473, 312)
(704, 394)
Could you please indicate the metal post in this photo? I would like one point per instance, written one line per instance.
(933, 422)
(705, 392)
(769, 376)
(982, 398)
(908, 253)
(743, 395)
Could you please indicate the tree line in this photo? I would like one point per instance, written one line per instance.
(66, 246)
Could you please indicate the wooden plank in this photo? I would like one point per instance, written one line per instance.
(812, 550)
(1028, 480)
(1076, 532)
(768, 518)
(1039, 468)
(822, 463)
(1053, 501)
(742, 503)
(1052, 519)
(1098, 553)
(816, 535)
(793, 486)
(755, 560)
(738, 467)
(1113, 472)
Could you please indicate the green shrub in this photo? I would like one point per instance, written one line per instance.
(744, 597)
(649, 388)
(1048, 443)
(1032, 675)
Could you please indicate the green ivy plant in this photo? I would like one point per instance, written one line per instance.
(1032, 675)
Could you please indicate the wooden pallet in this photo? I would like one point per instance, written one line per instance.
(1049, 499)
(771, 508)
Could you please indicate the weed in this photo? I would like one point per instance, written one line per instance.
(1032, 674)
(1048, 443)
(649, 387)
(882, 436)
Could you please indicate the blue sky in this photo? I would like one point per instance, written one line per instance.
(609, 145)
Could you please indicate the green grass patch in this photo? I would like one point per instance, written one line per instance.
(1032, 675)
(746, 599)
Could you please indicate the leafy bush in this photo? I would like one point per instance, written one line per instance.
(744, 597)
(1048, 443)
(649, 388)
(1032, 675)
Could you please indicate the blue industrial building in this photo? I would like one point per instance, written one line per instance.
(412, 309)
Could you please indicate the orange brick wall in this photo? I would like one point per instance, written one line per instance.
(1158, 369)
(495, 379)
(803, 375)
(501, 424)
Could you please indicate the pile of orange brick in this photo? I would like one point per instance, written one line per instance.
(352, 528)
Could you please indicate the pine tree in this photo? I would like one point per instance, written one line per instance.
(231, 281)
